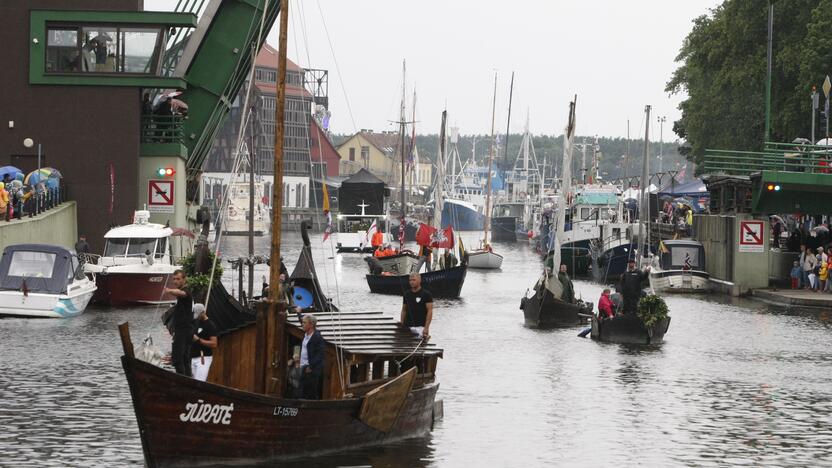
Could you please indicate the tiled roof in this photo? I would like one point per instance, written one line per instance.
(267, 58)
(387, 143)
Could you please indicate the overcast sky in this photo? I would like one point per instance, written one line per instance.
(615, 55)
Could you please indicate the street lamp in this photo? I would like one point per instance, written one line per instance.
(28, 143)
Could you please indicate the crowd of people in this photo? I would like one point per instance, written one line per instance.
(18, 199)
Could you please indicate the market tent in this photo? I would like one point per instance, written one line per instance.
(362, 188)
(695, 188)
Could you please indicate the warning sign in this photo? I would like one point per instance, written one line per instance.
(160, 196)
(752, 234)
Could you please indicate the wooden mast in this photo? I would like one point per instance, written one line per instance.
(644, 206)
(487, 223)
(275, 319)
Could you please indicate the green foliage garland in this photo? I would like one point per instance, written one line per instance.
(197, 283)
(651, 309)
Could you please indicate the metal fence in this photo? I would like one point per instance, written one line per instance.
(788, 157)
(161, 129)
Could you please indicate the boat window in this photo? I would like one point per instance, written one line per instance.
(138, 246)
(160, 250)
(32, 264)
(585, 213)
(116, 247)
(679, 255)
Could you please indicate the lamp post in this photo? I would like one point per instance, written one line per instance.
(28, 143)
(662, 120)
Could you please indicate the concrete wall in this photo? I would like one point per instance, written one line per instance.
(58, 226)
(735, 272)
(780, 266)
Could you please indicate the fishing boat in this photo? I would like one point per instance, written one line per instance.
(484, 258)
(679, 267)
(38, 280)
(377, 387)
(445, 283)
(402, 263)
(136, 265)
(551, 305)
(628, 329)
(236, 222)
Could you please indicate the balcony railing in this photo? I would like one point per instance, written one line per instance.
(161, 129)
(788, 157)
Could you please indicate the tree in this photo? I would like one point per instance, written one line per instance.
(723, 71)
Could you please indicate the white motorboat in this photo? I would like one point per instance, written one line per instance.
(136, 265)
(38, 280)
(483, 259)
(679, 267)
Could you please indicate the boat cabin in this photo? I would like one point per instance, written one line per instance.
(134, 243)
(363, 351)
(681, 255)
(47, 269)
(596, 205)
(510, 210)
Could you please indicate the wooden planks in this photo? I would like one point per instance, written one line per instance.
(381, 406)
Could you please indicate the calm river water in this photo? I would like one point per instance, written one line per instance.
(736, 382)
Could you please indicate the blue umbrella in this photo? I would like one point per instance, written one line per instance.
(10, 170)
(33, 178)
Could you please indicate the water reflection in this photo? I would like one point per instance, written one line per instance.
(736, 382)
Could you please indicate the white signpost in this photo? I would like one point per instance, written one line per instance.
(752, 236)
(160, 196)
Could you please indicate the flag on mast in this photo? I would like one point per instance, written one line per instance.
(325, 196)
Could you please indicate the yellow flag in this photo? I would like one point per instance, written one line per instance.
(325, 194)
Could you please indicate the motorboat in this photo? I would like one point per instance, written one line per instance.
(355, 232)
(236, 221)
(38, 280)
(402, 263)
(136, 264)
(679, 267)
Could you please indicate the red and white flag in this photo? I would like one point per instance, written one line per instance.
(435, 238)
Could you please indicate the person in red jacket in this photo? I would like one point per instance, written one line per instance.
(605, 307)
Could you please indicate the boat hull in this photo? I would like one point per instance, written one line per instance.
(543, 310)
(504, 228)
(680, 281)
(16, 304)
(245, 427)
(441, 283)
(461, 218)
(628, 329)
(576, 259)
(401, 264)
(485, 260)
(123, 289)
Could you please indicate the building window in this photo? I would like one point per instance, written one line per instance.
(352, 154)
(365, 155)
(102, 49)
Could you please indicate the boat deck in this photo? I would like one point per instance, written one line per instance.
(369, 333)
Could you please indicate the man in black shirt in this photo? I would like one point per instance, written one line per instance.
(204, 343)
(630, 286)
(417, 307)
(183, 331)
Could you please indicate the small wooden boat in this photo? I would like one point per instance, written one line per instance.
(544, 310)
(445, 283)
(680, 267)
(402, 263)
(483, 259)
(628, 329)
(38, 280)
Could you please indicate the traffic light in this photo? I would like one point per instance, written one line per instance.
(165, 171)
(773, 188)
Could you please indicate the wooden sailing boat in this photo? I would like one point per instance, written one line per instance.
(485, 258)
(549, 307)
(630, 329)
(405, 262)
(377, 387)
(447, 282)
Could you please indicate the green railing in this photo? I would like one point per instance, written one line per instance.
(788, 157)
(161, 129)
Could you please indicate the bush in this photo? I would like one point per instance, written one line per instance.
(652, 309)
(197, 283)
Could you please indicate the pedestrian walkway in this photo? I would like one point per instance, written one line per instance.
(794, 297)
